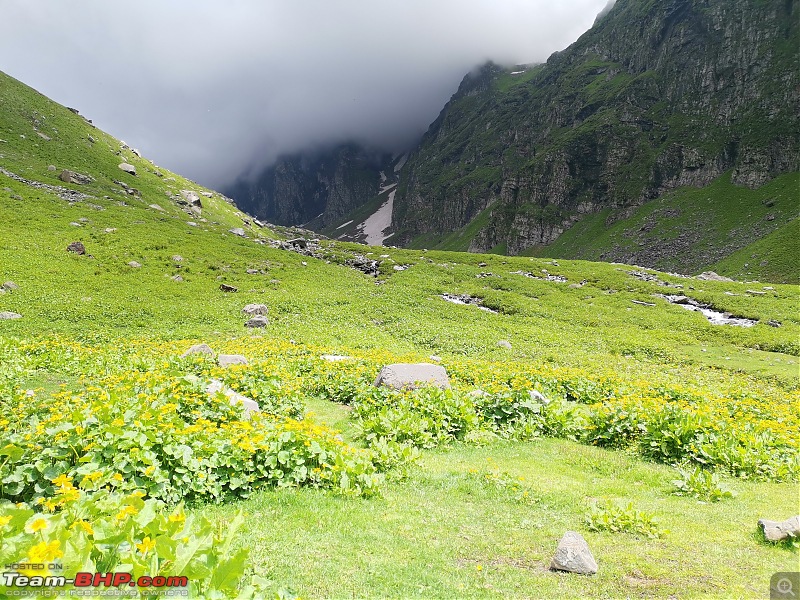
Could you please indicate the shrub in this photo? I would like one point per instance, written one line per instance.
(700, 483)
(610, 516)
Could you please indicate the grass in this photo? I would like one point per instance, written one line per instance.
(482, 543)
(446, 530)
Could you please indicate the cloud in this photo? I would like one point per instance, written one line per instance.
(210, 89)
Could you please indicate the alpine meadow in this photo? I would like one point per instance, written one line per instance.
(571, 370)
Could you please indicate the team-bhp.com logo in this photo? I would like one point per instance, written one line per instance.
(84, 582)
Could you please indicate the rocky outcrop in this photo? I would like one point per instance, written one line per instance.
(312, 188)
(656, 96)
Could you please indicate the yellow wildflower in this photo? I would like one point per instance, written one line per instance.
(146, 545)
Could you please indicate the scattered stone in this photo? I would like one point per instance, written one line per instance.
(504, 344)
(776, 531)
(177, 278)
(191, 197)
(110, 229)
(573, 555)
(74, 224)
(238, 231)
(207, 194)
(774, 323)
(482, 264)
(299, 242)
(72, 177)
(177, 258)
(134, 264)
(7, 316)
(228, 288)
(191, 223)
(711, 276)
(334, 357)
(756, 293)
(45, 137)
(435, 358)
(216, 387)
(51, 167)
(537, 396)
(128, 168)
(412, 376)
(77, 248)
(156, 207)
(10, 286)
(252, 271)
(136, 152)
(257, 321)
(255, 309)
(642, 303)
(198, 349)
(91, 139)
(226, 360)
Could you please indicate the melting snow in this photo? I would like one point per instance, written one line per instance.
(344, 224)
(378, 222)
(400, 163)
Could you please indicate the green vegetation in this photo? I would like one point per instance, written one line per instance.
(115, 456)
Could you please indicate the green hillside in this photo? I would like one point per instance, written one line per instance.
(115, 457)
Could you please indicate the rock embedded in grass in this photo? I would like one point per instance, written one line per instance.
(776, 531)
(255, 309)
(10, 286)
(198, 349)
(504, 344)
(77, 248)
(226, 360)
(228, 288)
(8, 316)
(412, 376)
(257, 321)
(134, 265)
(573, 555)
(128, 168)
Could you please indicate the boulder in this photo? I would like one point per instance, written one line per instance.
(6, 316)
(192, 198)
(573, 555)
(226, 360)
(128, 168)
(77, 248)
(711, 276)
(255, 309)
(72, 177)
(257, 321)
(776, 531)
(198, 349)
(217, 387)
(412, 376)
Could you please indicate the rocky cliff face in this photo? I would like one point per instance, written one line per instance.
(312, 188)
(657, 95)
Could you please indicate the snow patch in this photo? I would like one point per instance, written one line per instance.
(344, 224)
(400, 163)
(374, 227)
(517, 72)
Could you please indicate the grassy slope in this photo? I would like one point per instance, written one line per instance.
(697, 228)
(428, 535)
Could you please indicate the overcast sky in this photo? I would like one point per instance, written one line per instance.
(213, 88)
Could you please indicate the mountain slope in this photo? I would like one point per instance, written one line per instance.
(656, 96)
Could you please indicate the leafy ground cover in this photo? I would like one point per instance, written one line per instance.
(348, 490)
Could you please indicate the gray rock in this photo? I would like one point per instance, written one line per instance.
(177, 278)
(238, 231)
(156, 207)
(573, 555)
(226, 360)
(776, 531)
(10, 285)
(51, 167)
(110, 229)
(711, 276)
(72, 177)
(537, 396)
(91, 139)
(257, 321)
(504, 344)
(6, 316)
(412, 376)
(228, 288)
(198, 349)
(255, 309)
(128, 168)
(134, 264)
(177, 258)
(207, 194)
(191, 223)
(217, 387)
(192, 198)
(77, 248)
